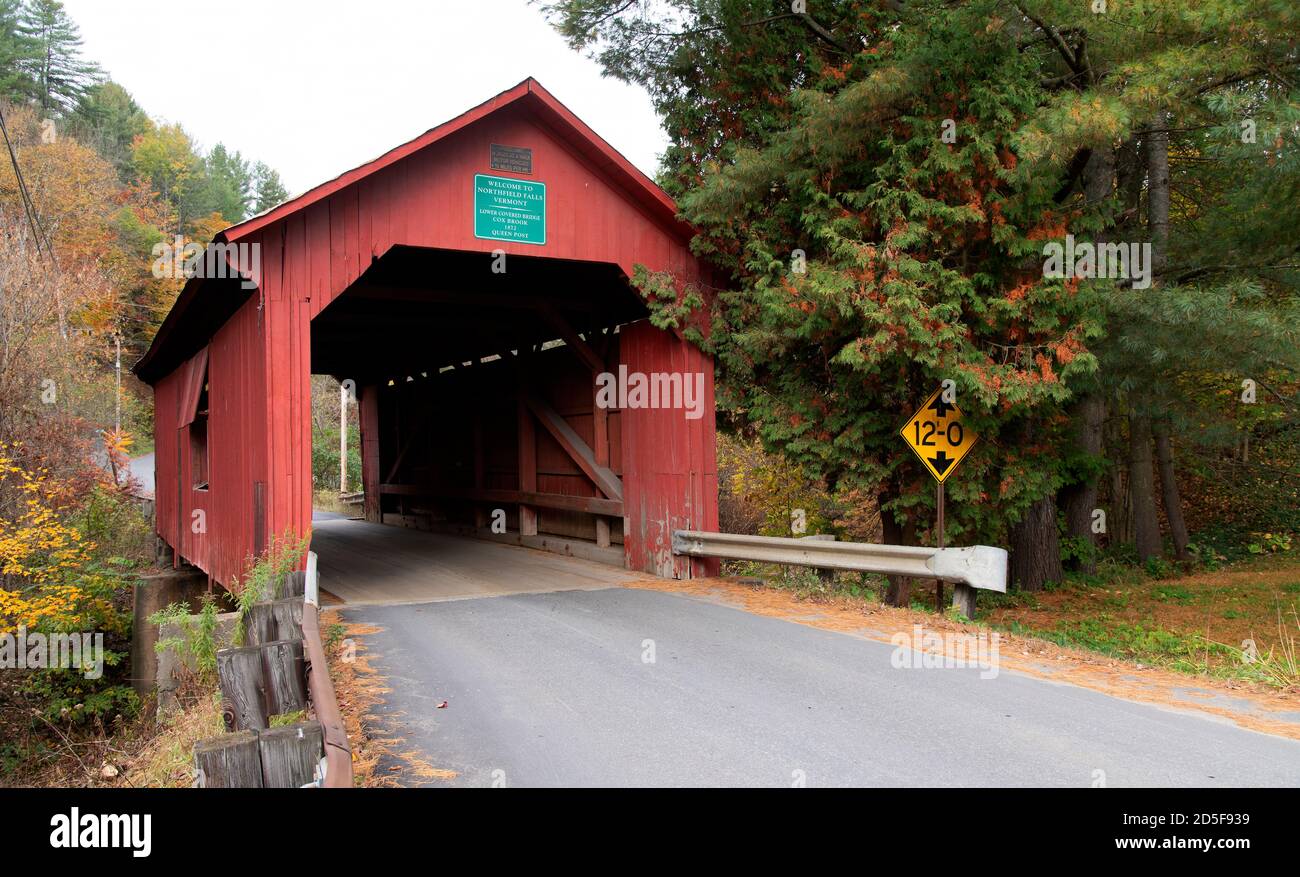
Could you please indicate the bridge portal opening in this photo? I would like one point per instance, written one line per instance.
(476, 379)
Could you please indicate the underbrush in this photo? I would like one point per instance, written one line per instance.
(69, 564)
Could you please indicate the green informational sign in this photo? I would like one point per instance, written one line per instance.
(507, 209)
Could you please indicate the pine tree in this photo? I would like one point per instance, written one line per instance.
(270, 191)
(55, 66)
(230, 185)
(17, 54)
(1166, 95)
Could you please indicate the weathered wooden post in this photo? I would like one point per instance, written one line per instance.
(284, 677)
(271, 677)
(290, 754)
(243, 691)
(231, 761)
(291, 585)
(275, 620)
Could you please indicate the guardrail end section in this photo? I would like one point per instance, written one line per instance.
(980, 566)
(681, 545)
(312, 590)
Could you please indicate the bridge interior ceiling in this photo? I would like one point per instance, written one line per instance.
(419, 310)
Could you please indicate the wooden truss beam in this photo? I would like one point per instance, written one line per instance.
(602, 476)
(590, 504)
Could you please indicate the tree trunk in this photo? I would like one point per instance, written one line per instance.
(1169, 490)
(1119, 517)
(1146, 519)
(1036, 547)
(1119, 522)
(1079, 500)
(898, 589)
(1158, 193)
(1130, 179)
(1142, 490)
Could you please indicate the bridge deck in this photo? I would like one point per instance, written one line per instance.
(362, 562)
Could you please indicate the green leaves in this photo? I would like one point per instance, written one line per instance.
(882, 212)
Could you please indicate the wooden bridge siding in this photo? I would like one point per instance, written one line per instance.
(671, 480)
(167, 439)
(236, 445)
(260, 426)
(427, 201)
(312, 256)
(236, 458)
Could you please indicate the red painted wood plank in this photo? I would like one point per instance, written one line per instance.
(598, 209)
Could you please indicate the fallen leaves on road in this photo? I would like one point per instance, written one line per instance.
(360, 689)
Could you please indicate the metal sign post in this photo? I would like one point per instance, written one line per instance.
(938, 436)
(938, 585)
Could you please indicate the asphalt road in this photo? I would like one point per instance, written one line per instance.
(552, 690)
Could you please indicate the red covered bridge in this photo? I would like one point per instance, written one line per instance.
(473, 284)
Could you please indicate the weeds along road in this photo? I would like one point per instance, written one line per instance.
(629, 687)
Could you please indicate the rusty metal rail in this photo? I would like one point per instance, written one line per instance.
(979, 566)
(338, 752)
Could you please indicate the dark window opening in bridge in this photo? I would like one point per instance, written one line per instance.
(199, 442)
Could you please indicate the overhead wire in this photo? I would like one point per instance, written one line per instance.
(29, 205)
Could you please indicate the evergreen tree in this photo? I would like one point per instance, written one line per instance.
(912, 159)
(230, 185)
(270, 191)
(55, 65)
(17, 54)
(109, 119)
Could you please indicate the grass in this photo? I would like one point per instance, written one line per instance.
(282, 720)
(805, 582)
(1239, 620)
(1236, 621)
(328, 501)
(167, 758)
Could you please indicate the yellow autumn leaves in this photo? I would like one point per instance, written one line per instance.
(41, 557)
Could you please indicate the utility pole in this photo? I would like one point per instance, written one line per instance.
(117, 397)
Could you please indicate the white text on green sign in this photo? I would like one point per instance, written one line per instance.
(506, 209)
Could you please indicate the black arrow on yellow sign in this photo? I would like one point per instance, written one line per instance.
(940, 407)
(941, 461)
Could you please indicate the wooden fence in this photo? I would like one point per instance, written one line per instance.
(279, 671)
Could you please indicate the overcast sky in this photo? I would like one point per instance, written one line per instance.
(317, 88)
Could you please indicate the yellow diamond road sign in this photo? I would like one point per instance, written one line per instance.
(938, 436)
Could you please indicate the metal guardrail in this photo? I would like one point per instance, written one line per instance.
(338, 753)
(311, 582)
(979, 566)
